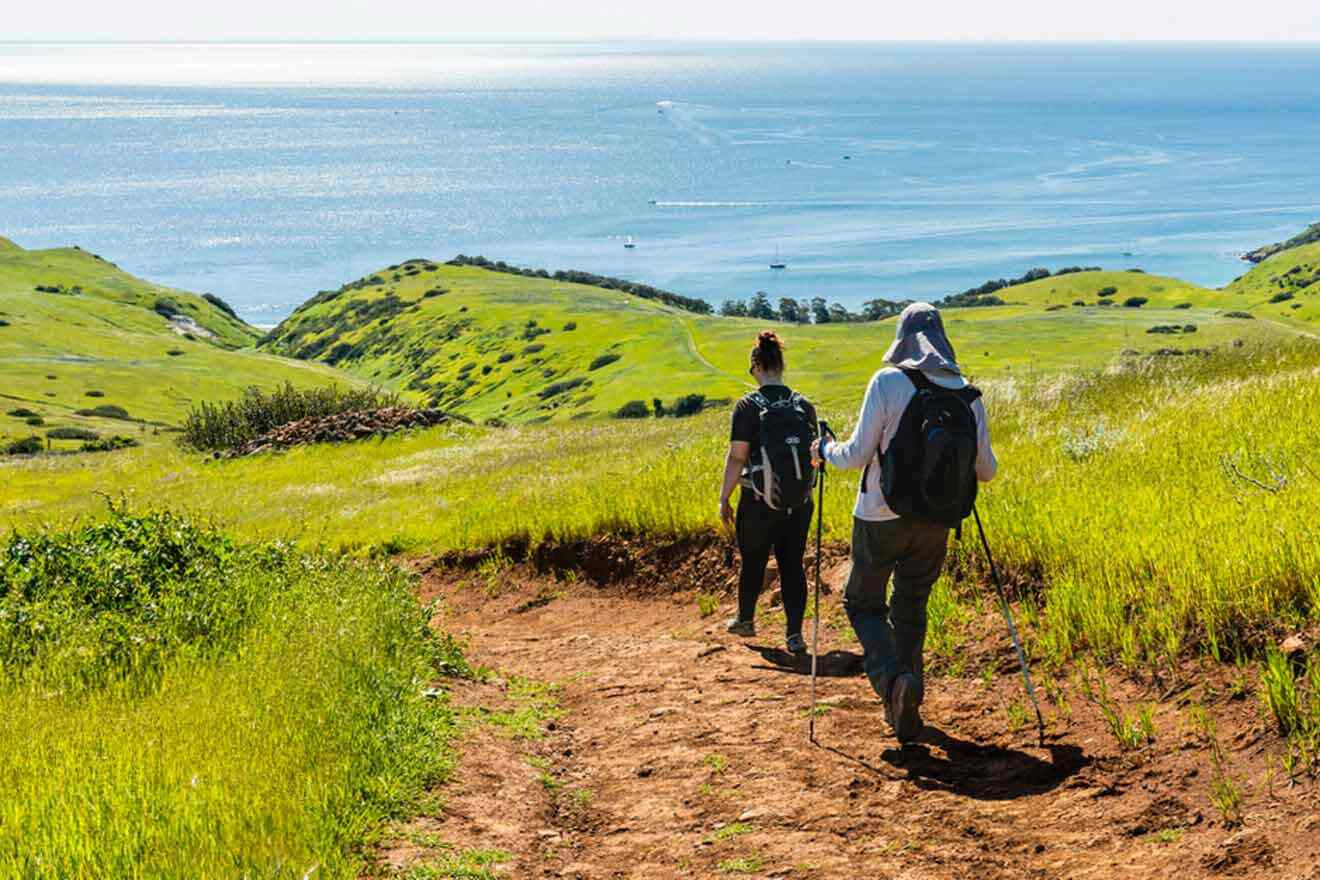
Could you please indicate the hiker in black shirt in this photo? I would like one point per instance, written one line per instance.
(777, 524)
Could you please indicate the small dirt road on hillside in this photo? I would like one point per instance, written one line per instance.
(680, 751)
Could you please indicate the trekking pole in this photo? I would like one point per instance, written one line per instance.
(1012, 627)
(815, 624)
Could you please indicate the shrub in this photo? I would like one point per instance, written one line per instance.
(232, 423)
(1281, 297)
(1079, 302)
(434, 292)
(689, 405)
(533, 348)
(95, 394)
(504, 358)
(35, 421)
(3, 323)
(220, 304)
(556, 388)
(1243, 316)
(175, 352)
(1135, 302)
(1055, 307)
(1164, 328)
(1183, 306)
(571, 325)
(1106, 291)
(72, 433)
(109, 444)
(604, 361)
(1104, 302)
(166, 308)
(106, 411)
(26, 446)
(1189, 328)
(23, 413)
(633, 409)
(485, 369)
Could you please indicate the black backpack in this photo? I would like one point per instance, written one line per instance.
(929, 467)
(783, 476)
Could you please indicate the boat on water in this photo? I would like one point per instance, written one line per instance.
(778, 263)
(629, 245)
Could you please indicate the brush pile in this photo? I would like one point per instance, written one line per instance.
(343, 427)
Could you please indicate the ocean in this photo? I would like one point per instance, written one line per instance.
(264, 172)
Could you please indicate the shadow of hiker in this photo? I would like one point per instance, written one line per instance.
(835, 664)
(982, 771)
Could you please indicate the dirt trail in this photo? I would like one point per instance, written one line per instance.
(682, 751)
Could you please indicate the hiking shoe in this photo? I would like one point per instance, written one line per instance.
(903, 715)
(744, 628)
(796, 644)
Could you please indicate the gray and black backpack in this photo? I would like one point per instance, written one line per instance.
(780, 473)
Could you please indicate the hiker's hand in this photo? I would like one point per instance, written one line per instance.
(726, 513)
(816, 459)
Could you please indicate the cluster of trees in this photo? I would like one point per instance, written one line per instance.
(984, 295)
(645, 291)
(814, 311)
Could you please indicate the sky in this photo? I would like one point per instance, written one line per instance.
(715, 20)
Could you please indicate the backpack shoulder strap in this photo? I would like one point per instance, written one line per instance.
(759, 400)
(918, 378)
(970, 394)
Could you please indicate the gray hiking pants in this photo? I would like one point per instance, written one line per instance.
(892, 628)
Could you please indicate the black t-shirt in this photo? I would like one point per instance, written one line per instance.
(747, 416)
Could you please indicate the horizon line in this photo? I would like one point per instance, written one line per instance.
(616, 40)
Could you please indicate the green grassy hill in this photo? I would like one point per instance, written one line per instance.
(1285, 287)
(518, 348)
(105, 344)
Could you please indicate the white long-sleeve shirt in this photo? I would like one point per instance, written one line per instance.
(886, 398)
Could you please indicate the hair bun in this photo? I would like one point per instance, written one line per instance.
(769, 352)
(768, 340)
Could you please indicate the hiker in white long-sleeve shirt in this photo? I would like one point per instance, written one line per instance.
(910, 547)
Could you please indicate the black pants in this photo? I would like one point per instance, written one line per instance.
(762, 530)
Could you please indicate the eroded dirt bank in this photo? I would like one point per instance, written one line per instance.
(681, 751)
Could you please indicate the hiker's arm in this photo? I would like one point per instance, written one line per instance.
(986, 463)
(739, 450)
(857, 450)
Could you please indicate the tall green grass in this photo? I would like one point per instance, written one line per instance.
(176, 705)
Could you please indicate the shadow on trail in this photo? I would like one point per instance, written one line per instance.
(835, 664)
(982, 771)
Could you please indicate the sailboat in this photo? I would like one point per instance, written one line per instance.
(629, 243)
(778, 264)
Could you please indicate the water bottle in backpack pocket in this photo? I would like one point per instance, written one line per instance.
(780, 473)
(929, 468)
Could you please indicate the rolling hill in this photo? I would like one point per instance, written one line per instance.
(495, 345)
(84, 344)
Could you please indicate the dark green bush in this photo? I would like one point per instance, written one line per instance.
(1078, 302)
(220, 304)
(95, 394)
(174, 352)
(505, 358)
(72, 433)
(1189, 328)
(26, 446)
(1055, 307)
(232, 423)
(688, 405)
(1106, 291)
(22, 413)
(571, 325)
(1183, 306)
(1281, 297)
(106, 411)
(109, 444)
(633, 409)
(35, 421)
(556, 388)
(604, 361)
(1135, 302)
(434, 292)
(1245, 316)
(166, 308)
(3, 323)
(533, 348)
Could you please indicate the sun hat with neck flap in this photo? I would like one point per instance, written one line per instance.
(920, 342)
